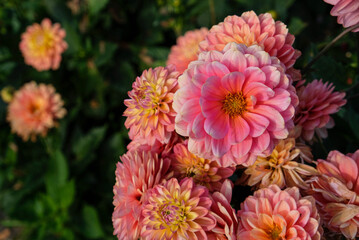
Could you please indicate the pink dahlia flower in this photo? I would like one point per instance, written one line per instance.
(226, 218)
(203, 171)
(272, 213)
(316, 102)
(347, 12)
(186, 49)
(177, 211)
(337, 192)
(234, 104)
(250, 29)
(42, 45)
(34, 109)
(138, 172)
(149, 112)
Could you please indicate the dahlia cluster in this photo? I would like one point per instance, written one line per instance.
(229, 109)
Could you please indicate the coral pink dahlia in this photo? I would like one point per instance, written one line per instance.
(316, 102)
(177, 211)
(34, 109)
(273, 214)
(250, 29)
(138, 172)
(203, 171)
(337, 192)
(186, 49)
(42, 45)
(234, 104)
(347, 12)
(149, 112)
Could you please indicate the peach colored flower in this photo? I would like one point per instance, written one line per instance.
(317, 101)
(347, 12)
(138, 172)
(275, 214)
(234, 105)
(203, 171)
(177, 211)
(34, 109)
(149, 112)
(280, 168)
(250, 29)
(336, 190)
(42, 45)
(186, 49)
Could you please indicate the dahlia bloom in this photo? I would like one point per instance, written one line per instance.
(203, 171)
(336, 190)
(234, 105)
(42, 45)
(250, 29)
(316, 102)
(149, 112)
(280, 167)
(226, 218)
(272, 213)
(177, 211)
(138, 172)
(186, 49)
(34, 109)
(347, 12)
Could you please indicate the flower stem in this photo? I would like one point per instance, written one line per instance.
(327, 47)
(212, 11)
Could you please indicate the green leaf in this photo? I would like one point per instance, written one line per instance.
(92, 228)
(57, 173)
(96, 5)
(296, 26)
(67, 194)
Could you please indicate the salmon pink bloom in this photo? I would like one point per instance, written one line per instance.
(203, 171)
(250, 29)
(275, 214)
(234, 105)
(347, 12)
(186, 49)
(35, 109)
(317, 101)
(336, 190)
(42, 45)
(149, 112)
(177, 211)
(138, 172)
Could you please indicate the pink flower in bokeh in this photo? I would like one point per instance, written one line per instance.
(250, 29)
(42, 45)
(203, 171)
(177, 211)
(347, 12)
(149, 112)
(186, 49)
(138, 172)
(234, 104)
(34, 109)
(316, 102)
(336, 190)
(272, 213)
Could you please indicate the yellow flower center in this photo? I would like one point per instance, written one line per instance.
(41, 41)
(172, 214)
(234, 104)
(275, 233)
(37, 106)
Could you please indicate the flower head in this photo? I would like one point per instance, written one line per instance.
(42, 45)
(347, 12)
(336, 190)
(203, 171)
(149, 112)
(138, 172)
(316, 102)
(177, 211)
(275, 214)
(280, 167)
(234, 104)
(34, 109)
(250, 29)
(186, 49)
